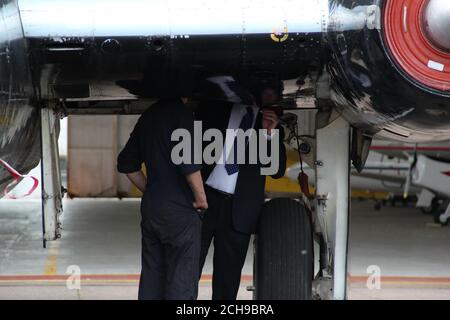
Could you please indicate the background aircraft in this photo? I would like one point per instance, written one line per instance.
(387, 176)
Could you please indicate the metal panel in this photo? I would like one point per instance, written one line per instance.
(92, 156)
(93, 146)
(19, 121)
(86, 18)
(125, 125)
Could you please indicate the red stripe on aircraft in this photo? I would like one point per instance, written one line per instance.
(17, 178)
(406, 148)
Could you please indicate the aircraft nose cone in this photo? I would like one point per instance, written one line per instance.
(436, 22)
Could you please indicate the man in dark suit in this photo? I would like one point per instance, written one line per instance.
(235, 193)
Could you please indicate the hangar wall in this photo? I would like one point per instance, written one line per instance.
(92, 148)
(93, 145)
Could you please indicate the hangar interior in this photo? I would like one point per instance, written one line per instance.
(101, 237)
(363, 94)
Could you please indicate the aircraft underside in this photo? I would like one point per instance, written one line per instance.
(347, 61)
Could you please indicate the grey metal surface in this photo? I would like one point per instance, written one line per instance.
(85, 18)
(19, 121)
(436, 21)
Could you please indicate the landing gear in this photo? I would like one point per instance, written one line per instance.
(440, 209)
(442, 218)
(432, 209)
(333, 200)
(50, 175)
(284, 256)
(284, 259)
(428, 202)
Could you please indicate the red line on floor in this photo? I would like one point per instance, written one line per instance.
(394, 279)
(92, 277)
(207, 277)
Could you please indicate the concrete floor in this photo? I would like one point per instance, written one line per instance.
(101, 238)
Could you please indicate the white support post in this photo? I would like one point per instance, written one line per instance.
(50, 175)
(445, 217)
(333, 196)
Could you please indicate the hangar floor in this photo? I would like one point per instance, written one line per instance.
(101, 237)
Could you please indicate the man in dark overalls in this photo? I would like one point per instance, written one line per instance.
(171, 205)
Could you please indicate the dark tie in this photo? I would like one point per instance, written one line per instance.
(246, 123)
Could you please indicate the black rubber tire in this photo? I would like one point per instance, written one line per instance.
(284, 257)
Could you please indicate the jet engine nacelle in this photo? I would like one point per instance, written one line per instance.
(395, 78)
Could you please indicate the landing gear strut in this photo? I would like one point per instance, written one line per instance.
(50, 176)
(442, 218)
(333, 199)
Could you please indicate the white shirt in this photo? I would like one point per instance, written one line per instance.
(219, 178)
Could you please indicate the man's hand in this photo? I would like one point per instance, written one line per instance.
(138, 179)
(200, 205)
(270, 120)
(195, 181)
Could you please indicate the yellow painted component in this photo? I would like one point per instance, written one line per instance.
(292, 158)
(279, 37)
(283, 185)
(135, 192)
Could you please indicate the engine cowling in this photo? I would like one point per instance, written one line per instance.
(395, 79)
(417, 33)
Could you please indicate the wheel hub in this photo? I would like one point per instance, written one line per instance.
(436, 23)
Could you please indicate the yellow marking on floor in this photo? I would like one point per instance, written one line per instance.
(433, 225)
(50, 267)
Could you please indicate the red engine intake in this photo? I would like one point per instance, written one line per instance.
(417, 33)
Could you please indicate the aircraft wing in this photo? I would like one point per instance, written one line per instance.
(440, 150)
